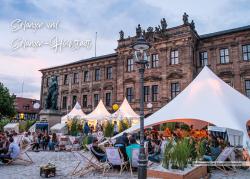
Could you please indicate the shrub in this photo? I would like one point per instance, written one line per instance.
(181, 154)
(170, 125)
(3, 122)
(123, 125)
(109, 129)
(201, 148)
(167, 155)
(85, 142)
(74, 126)
(185, 127)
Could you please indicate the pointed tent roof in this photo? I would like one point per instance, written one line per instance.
(99, 113)
(75, 112)
(206, 98)
(125, 111)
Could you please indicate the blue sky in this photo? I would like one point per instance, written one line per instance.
(80, 19)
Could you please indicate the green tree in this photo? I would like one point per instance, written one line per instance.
(7, 100)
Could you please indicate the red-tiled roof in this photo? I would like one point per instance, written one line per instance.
(25, 105)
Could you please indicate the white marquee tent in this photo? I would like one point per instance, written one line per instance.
(125, 111)
(209, 99)
(76, 112)
(100, 113)
(11, 127)
(59, 128)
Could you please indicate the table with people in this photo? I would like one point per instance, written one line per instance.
(155, 142)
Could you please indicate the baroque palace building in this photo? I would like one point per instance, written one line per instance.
(176, 56)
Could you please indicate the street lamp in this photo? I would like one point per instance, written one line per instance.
(140, 46)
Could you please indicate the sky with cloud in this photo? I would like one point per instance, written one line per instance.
(81, 19)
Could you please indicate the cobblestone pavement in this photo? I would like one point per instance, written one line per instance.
(67, 161)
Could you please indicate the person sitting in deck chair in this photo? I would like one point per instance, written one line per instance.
(98, 152)
(122, 142)
(132, 145)
(215, 151)
(155, 156)
(13, 152)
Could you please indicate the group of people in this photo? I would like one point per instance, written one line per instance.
(42, 139)
(126, 143)
(9, 149)
(89, 129)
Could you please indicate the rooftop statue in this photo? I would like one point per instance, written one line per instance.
(121, 35)
(185, 18)
(192, 25)
(164, 24)
(138, 30)
(51, 100)
(150, 29)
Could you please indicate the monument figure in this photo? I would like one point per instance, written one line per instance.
(50, 113)
(51, 100)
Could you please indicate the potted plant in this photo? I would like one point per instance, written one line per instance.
(181, 154)
(109, 129)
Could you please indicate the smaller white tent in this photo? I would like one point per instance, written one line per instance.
(126, 112)
(100, 113)
(76, 112)
(11, 127)
(59, 128)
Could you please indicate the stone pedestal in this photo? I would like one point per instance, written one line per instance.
(51, 116)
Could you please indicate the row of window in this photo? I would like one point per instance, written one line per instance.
(154, 92)
(175, 90)
(97, 76)
(153, 60)
(224, 55)
(85, 104)
(148, 94)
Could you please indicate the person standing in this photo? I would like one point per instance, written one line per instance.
(115, 128)
(86, 128)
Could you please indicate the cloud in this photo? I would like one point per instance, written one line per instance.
(81, 19)
(21, 86)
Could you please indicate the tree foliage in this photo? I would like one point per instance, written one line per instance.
(7, 100)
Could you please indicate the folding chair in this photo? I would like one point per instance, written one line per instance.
(134, 159)
(225, 154)
(115, 158)
(18, 139)
(23, 152)
(93, 164)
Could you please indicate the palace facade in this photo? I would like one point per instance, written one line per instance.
(175, 58)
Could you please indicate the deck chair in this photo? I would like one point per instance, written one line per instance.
(23, 156)
(18, 139)
(224, 155)
(91, 163)
(115, 158)
(133, 163)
